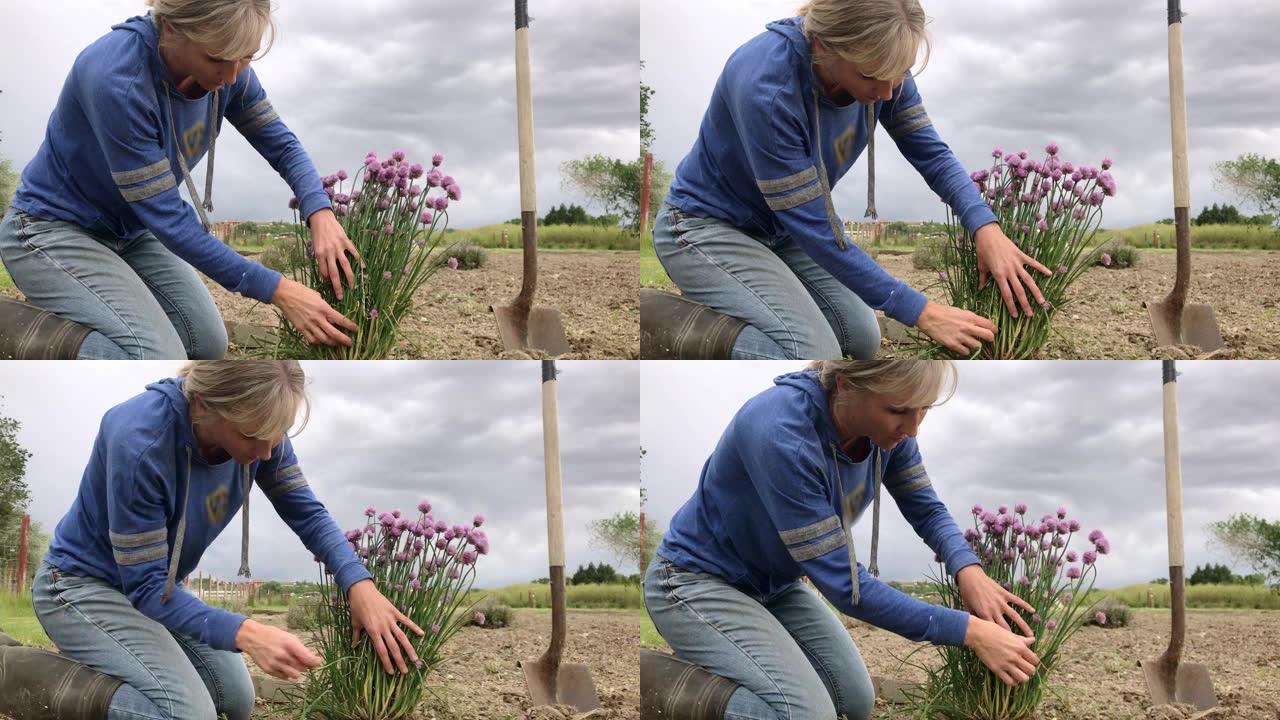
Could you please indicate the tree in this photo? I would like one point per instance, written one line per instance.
(1253, 539)
(8, 184)
(602, 574)
(1212, 575)
(14, 494)
(620, 535)
(646, 130)
(1254, 178)
(615, 184)
(1220, 215)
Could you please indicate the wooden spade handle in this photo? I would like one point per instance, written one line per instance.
(1173, 502)
(528, 184)
(1181, 175)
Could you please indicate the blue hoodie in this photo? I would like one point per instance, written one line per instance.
(146, 488)
(110, 157)
(777, 500)
(772, 146)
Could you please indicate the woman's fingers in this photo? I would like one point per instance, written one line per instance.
(1017, 618)
(1030, 282)
(394, 649)
(380, 648)
(346, 267)
(1007, 294)
(334, 278)
(406, 644)
(401, 617)
(1037, 265)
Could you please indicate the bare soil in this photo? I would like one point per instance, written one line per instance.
(1107, 316)
(1098, 677)
(594, 290)
(481, 679)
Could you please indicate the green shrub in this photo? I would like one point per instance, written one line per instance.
(303, 613)
(930, 253)
(496, 614)
(1113, 612)
(470, 256)
(1115, 255)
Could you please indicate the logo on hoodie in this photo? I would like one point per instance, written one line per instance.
(215, 505)
(843, 147)
(193, 141)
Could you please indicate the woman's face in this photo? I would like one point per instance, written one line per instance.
(884, 419)
(205, 66)
(216, 434)
(847, 76)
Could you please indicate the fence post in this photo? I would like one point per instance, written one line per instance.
(531, 598)
(644, 193)
(22, 553)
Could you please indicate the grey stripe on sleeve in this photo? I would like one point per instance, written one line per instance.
(138, 539)
(258, 122)
(137, 557)
(809, 532)
(833, 541)
(789, 183)
(132, 177)
(150, 190)
(250, 113)
(778, 203)
(285, 481)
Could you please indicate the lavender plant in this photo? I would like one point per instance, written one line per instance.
(426, 568)
(1034, 561)
(391, 215)
(1051, 210)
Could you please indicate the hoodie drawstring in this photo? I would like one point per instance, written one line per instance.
(247, 484)
(871, 179)
(178, 536)
(182, 159)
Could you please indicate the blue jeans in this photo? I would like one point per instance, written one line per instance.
(789, 652)
(141, 301)
(794, 309)
(166, 675)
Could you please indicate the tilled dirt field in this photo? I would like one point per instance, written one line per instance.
(1098, 677)
(594, 290)
(481, 678)
(1107, 316)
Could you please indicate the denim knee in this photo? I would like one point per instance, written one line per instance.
(208, 337)
(237, 697)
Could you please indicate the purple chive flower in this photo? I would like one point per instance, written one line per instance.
(435, 629)
(942, 276)
(1094, 535)
(388, 229)
(1106, 260)
(1020, 508)
(1101, 617)
(342, 198)
(416, 171)
(370, 511)
(398, 155)
(1051, 625)
(342, 210)
(1073, 525)
(424, 507)
(1047, 306)
(414, 191)
(1073, 572)
(437, 159)
(441, 543)
(427, 217)
(453, 263)
(468, 557)
(1002, 509)
(480, 619)
(1062, 513)
(478, 520)
(435, 178)
(1051, 148)
(454, 191)
(1042, 225)
(373, 315)
(1096, 198)
(1107, 163)
(384, 203)
(441, 526)
(997, 153)
(1071, 556)
(1103, 546)
(1078, 213)
(1090, 557)
(1021, 544)
(1062, 268)
(977, 510)
(293, 203)
(971, 535)
(442, 202)
(386, 275)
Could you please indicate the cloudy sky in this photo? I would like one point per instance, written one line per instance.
(466, 435)
(1087, 435)
(360, 76)
(1091, 75)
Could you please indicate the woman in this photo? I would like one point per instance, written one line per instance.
(795, 469)
(169, 470)
(98, 233)
(749, 228)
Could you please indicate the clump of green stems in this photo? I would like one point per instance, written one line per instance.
(396, 225)
(960, 687)
(426, 579)
(1051, 211)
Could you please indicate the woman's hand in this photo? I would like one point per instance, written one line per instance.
(331, 247)
(311, 315)
(960, 330)
(1007, 655)
(279, 653)
(988, 600)
(1001, 260)
(379, 619)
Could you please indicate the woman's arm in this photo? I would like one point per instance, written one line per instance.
(999, 258)
(257, 120)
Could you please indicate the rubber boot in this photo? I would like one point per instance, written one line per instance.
(5, 640)
(673, 328)
(672, 689)
(29, 333)
(36, 684)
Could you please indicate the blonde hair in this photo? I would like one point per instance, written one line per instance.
(260, 398)
(923, 381)
(230, 29)
(881, 37)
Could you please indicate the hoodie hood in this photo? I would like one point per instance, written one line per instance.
(806, 383)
